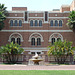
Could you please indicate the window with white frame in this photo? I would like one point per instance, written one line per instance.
(15, 22)
(13, 40)
(33, 41)
(52, 40)
(55, 37)
(36, 39)
(32, 52)
(20, 23)
(40, 23)
(58, 39)
(51, 23)
(19, 41)
(36, 23)
(16, 38)
(31, 23)
(36, 52)
(11, 22)
(56, 23)
(60, 23)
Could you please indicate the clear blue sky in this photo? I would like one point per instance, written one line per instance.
(36, 5)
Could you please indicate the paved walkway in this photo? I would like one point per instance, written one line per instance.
(25, 67)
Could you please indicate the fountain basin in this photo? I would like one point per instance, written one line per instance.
(36, 57)
(36, 61)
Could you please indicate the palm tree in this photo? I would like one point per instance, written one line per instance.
(71, 21)
(3, 14)
(11, 52)
(61, 50)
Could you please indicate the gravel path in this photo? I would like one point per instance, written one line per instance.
(25, 67)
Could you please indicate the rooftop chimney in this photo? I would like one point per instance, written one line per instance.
(19, 8)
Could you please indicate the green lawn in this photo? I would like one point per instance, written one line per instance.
(36, 72)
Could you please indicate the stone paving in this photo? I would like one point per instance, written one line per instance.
(26, 67)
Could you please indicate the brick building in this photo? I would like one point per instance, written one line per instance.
(34, 30)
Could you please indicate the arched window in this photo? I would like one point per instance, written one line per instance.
(38, 41)
(58, 39)
(40, 23)
(53, 40)
(56, 23)
(51, 23)
(38, 53)
(11, 23)
(36, 23)
(20, 23)
(15, 22)
(13, 40)
(32, 52)
(60, 23)
(33, 41)
(15, 35)
(55, 37)
(31, 23)
(19, 41)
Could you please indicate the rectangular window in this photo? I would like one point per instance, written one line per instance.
(32, 52)
(19, 41)
(60, 23)
(15, 22)
(26, 16)
(11, 23)
(53, 40)
(20, 23)
(51, 23)
(56, 23)
(38, 41)
(31, 23)
(40, 23)
(33, 41)
(46, 16)
(38, 52)
(13, 40)
(36, 23)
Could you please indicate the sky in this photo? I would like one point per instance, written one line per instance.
(36, 5)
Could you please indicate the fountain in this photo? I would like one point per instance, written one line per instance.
(35, 60)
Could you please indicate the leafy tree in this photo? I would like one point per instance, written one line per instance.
(10, 52)
(3, 14)
(71, 21)
(61, 50)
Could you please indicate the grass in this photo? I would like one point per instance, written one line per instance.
(37, 72)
